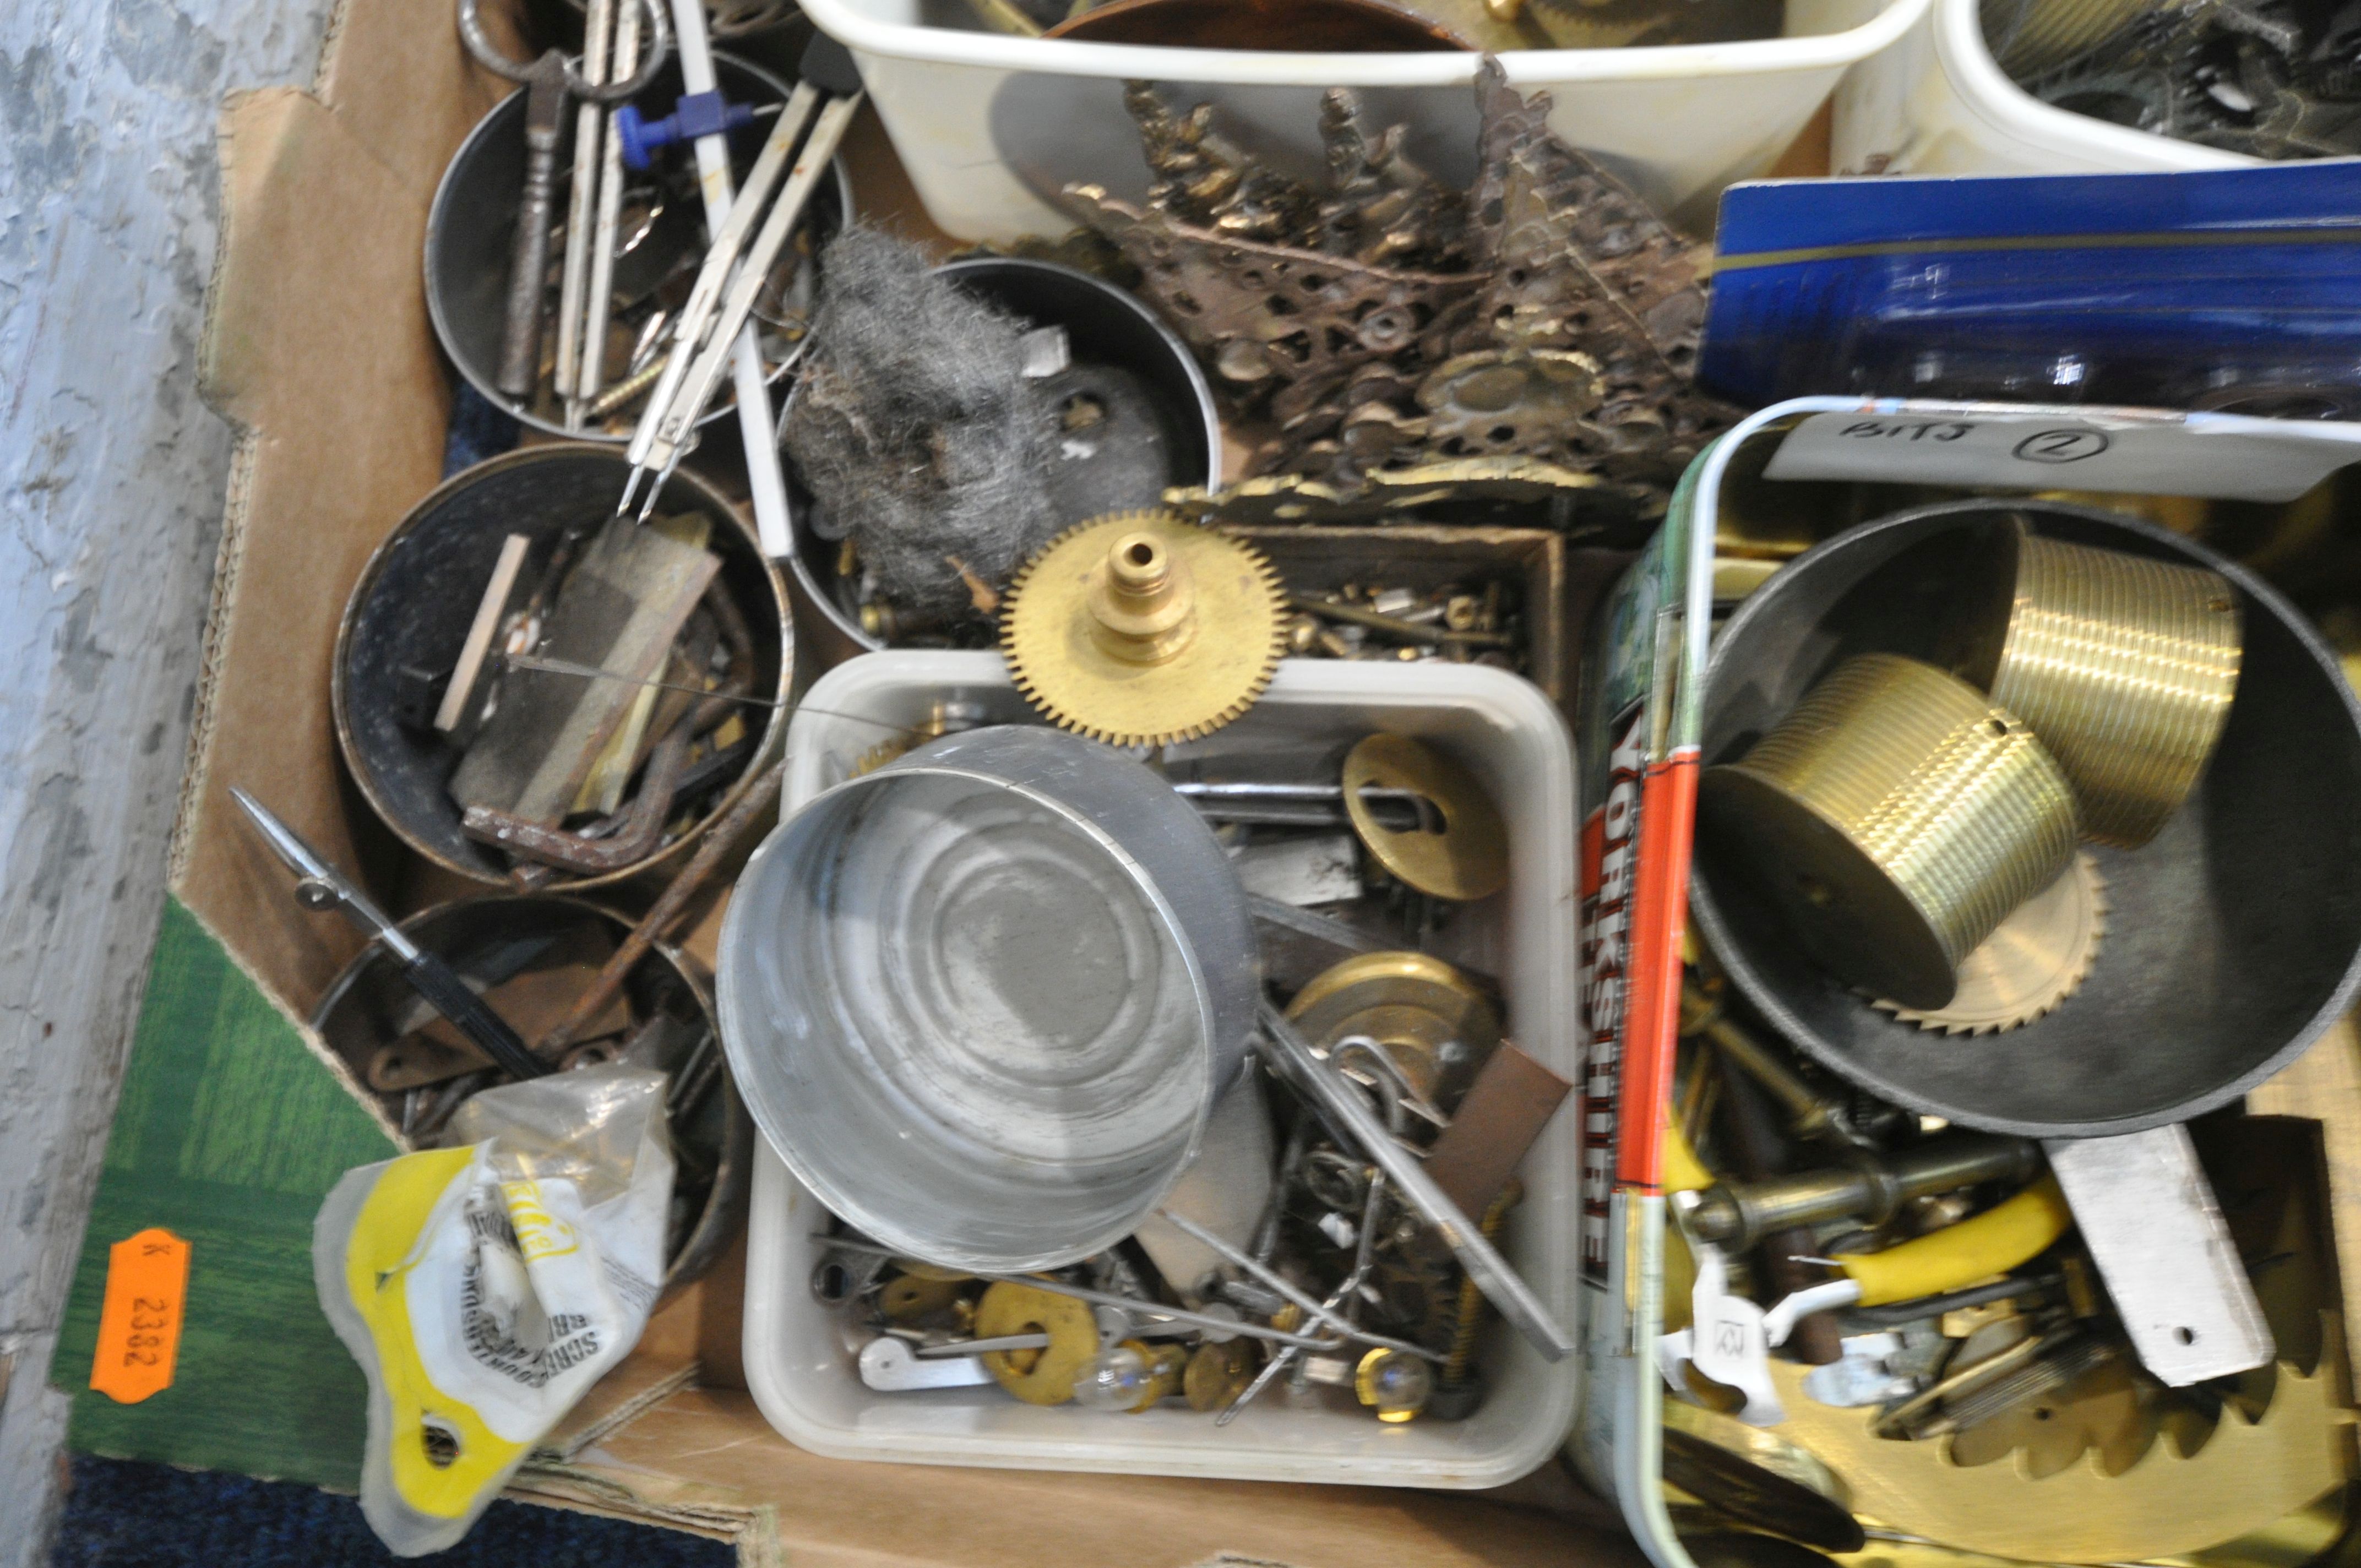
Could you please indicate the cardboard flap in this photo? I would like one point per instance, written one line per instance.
(849, 1514)
(397, 76)
(318, 346)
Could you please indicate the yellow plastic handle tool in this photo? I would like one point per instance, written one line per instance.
(1683, 1172)
(1994, 1242)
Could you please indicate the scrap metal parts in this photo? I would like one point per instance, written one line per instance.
(2266, 78)
(1544, 323)
(2166, 710)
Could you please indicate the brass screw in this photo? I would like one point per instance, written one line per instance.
(1471, 1299)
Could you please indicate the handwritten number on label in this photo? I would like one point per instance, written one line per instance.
(139, 1320)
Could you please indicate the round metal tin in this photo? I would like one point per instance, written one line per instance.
(2234, 935)
(982, 1000)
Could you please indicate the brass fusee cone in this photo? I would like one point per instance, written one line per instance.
(2123, 665)
(1895, 818)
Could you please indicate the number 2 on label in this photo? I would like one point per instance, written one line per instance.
(139, 1320)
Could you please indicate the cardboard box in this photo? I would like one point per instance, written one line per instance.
(236, 1119)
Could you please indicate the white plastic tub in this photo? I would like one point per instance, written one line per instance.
(1937, 103)
(991, 127)
(798, 1362)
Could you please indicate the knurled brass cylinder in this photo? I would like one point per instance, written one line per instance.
(1893, 819)
(2032, 37)
(2123, 665)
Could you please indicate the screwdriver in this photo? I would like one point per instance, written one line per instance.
(319, 886)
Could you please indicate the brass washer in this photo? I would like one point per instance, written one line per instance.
(1468, 859)
(1218, 1373)
(1036, 1376)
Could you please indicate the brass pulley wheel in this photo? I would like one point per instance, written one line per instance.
(1432, 1021)
(1141, 629)
(1895, 818)
(1462, 853)
(2125, 666)
(2033, 37)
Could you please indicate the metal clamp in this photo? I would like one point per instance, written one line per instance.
(488, 54)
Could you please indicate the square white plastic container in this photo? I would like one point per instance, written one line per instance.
(800, 1363)
(990, 126)
(1937, 103)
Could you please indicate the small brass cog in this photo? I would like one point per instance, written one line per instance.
(1141, 629)
(2035, 960)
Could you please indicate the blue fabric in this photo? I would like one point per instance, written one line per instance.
(128, 1514)
(480, 428)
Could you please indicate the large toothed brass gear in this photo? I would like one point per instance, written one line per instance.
(1141, 629)
(2036, 958)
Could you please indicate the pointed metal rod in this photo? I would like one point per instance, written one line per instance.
(1335, 1095)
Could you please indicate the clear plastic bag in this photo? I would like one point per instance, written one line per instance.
(484, 1288)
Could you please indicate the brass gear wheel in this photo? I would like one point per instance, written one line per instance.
(1141, 629)
(2035, 960)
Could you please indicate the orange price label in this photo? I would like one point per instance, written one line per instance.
(139, 1323)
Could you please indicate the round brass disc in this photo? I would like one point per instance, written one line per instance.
(1036, 1376)
(1311, 26)
(1141, 682)
(2108, 1407)
(1218, 1373)
(1468, 859)
(1435, 1024)
(2036, 959)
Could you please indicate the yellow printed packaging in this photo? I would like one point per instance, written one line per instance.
(485, 1288)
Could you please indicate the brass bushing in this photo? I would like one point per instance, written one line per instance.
(2125, 666)
(1895, 818)
(1142, 601)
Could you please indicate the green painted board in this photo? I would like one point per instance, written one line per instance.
(228, 1133)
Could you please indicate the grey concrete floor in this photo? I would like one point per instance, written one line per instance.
(112, 476)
